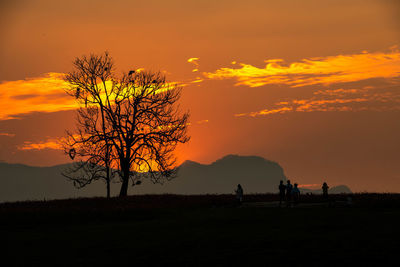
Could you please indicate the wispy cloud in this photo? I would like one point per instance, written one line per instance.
(322, 70)
(266, 112)
(43, 94)
(202, 122)
(48, 144)
(7, 134)
(194, 60)
(196, 81)
(335, 100)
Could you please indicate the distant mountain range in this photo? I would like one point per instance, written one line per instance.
(257, 175)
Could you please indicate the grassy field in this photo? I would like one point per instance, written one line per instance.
(200, 231)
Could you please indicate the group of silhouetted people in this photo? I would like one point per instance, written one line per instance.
(291, 194)
(287, 193)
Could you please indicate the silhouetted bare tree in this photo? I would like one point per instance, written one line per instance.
(131, 124)
(90, 142)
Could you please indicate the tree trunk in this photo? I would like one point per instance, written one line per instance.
(125, 183)
(124, 188)
(108, 183)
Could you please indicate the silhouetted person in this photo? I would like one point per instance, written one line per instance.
(289, 188)
(325, 188)
(296, 194)
(282, 189)
(239, 194)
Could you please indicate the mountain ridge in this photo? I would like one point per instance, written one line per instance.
(256, 175)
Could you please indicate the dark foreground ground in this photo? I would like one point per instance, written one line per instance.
(201, 231)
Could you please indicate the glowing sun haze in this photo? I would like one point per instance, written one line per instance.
(313, 85)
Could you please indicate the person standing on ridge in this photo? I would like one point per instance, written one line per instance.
(282, 189)
(296, 194)
(325, 188)
(239, 194)
(289, 188)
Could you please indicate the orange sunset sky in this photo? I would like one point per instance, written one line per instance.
(313, 85)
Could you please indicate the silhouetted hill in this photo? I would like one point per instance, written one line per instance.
(22, 182)
(255, 174)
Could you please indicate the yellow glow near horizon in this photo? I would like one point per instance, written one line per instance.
(144, 167)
